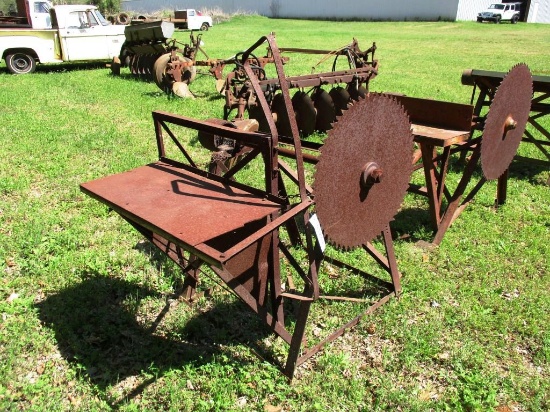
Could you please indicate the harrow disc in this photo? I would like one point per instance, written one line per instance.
(357, 92)
(255, 112)
(305, 113)
(341, 99)
(278, 109)
(163, 79)
(363, 171)
(326, 112)
(506, 121)
(133, 64)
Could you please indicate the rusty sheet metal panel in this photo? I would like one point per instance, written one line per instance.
(161, 196)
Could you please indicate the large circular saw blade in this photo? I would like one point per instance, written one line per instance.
(506, 121)
(373, 135)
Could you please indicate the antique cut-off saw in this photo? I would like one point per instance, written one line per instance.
(223, 224)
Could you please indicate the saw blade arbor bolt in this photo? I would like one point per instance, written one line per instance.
(509, 124)
(372, 173)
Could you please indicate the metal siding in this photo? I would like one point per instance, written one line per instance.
(539, 12)
(345, 9)
(468, 9)
(325, 9)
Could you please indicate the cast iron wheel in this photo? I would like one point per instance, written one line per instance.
(20, 63)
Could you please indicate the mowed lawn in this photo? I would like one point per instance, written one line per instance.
(89, 319)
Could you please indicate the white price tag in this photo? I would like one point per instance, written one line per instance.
(314, 222)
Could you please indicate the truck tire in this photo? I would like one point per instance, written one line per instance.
(515, 19)
(497, 19)
(20, 63)
(123, 18)
(204, 27)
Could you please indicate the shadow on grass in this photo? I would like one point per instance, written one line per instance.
(67, 67)
(412, 224)
(97, 331)
(527, 170)
(211, 95)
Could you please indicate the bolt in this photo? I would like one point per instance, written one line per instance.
(509, 124)
(371, 174)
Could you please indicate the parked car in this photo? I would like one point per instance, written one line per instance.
(498, 12)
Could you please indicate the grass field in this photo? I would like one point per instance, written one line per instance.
(88, 317)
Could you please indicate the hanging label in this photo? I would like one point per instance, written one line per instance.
(314, 222)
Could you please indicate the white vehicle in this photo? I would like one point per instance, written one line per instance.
(498, 12)
(191, 19)
(78, 33)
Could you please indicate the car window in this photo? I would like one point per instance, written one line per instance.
(497, 6)
(81, 20)
(41, 7)
(92, 21)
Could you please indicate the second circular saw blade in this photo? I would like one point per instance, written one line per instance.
(374, 130)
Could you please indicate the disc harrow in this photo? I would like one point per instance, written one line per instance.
(151, 54)
(315, 108)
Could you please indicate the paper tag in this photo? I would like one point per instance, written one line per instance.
(314, 222)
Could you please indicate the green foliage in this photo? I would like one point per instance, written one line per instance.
(107, 6)
(89, 314)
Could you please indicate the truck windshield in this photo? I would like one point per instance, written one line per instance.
(101, 19)
(41, 7)
(497, 6)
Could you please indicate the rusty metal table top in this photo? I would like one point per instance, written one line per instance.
(165, 198)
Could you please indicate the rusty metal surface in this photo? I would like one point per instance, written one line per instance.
(372, 141)
(177, 202)
(506, 121)
(485, 84)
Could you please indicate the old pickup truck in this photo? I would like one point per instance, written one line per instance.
(77, 33)
(191, 19)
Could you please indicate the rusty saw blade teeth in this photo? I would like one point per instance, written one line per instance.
(363, 171)
(506, 120)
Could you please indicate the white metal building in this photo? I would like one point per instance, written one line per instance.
(535, 11)
(539, 12)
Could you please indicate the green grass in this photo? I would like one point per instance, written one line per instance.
(88, 319)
